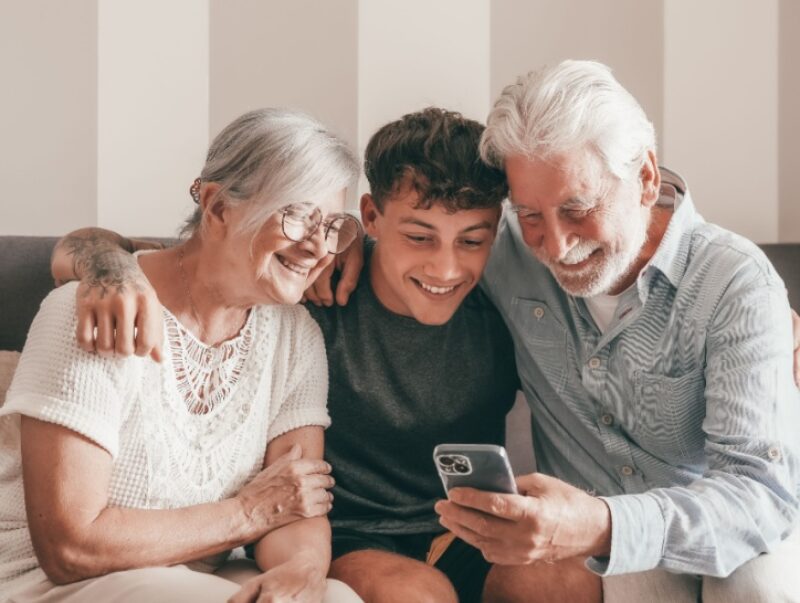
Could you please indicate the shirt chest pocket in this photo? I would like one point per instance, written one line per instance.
(545, 338)
(668, 416)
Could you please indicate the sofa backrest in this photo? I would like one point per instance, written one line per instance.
(786, 259)
(25, 281)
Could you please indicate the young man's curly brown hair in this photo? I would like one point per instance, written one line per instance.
(436, 153)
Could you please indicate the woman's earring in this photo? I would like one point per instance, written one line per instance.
(194, 190)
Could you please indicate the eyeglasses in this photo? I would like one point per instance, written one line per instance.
(301, 220)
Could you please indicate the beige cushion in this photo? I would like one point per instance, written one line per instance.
(8, 362)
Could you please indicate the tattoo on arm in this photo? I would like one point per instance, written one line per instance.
(103, 262)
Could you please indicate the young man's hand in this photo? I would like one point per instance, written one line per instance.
(298, 580)
(350, 263)
(796, 331)
(548, 521)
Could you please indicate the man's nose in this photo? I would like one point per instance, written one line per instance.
(557, 241)
(443, 265)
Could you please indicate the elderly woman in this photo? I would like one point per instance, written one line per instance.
(125, 479)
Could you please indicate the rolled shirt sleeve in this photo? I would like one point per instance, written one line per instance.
(59, 383)
(306, 393)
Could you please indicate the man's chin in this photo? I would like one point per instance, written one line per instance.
(435, 317)
(581, 287)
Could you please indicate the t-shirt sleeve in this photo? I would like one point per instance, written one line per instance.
(306, 393)
(59, 383)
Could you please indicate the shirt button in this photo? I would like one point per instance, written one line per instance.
(538, 312)
(607, 419)
(594, 363)
(627, 470)
(774, 453)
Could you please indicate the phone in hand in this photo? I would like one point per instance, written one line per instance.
(479, 466)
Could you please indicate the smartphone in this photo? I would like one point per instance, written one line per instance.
(479, 466)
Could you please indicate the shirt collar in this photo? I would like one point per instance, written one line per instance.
(671, 256)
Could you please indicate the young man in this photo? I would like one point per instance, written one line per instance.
(418, 357)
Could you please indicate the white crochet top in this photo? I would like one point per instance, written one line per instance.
(190, 430)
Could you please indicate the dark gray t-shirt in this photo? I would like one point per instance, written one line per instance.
(397, 389)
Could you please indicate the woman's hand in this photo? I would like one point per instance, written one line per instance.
(299, 580)
(289, 489)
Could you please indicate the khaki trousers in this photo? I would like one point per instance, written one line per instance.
(163, 585)
(769, 578)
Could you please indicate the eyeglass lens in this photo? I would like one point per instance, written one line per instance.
(301, 220)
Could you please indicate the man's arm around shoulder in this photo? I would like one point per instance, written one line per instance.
(118, 311)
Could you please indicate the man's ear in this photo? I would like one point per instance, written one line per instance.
(650, 177)
(369, 215)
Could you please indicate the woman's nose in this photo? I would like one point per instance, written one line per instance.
(316, 245)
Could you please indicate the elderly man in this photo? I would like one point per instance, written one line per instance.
(655, 353)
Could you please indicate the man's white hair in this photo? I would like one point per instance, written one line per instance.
(574, 105)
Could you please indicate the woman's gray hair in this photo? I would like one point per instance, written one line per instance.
(574, 105)
(269, 158)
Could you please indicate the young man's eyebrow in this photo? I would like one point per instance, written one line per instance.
(479, 226)
(417, 222)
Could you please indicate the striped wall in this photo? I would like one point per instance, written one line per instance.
(108, 105)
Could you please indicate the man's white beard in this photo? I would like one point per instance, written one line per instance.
(601, 275)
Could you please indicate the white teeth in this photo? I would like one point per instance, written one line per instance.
(293, 267)
(436, 290)
(577, 255)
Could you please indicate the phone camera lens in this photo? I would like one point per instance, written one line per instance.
(446, 461)
(461, 468)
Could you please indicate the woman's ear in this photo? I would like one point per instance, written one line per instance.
(650, 177)
(369, 215)
(212, 202)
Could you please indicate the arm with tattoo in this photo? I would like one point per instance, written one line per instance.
(97, 256)
(118, 311)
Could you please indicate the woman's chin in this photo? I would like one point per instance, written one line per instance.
(284, 297)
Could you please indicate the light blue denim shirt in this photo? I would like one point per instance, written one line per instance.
(683, 415)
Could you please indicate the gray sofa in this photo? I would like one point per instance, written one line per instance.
(25, 280)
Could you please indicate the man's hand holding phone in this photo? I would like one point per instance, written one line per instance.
(548, 520)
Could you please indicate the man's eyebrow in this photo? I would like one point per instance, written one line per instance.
(479, 226)
(417, 222)
(576, 202)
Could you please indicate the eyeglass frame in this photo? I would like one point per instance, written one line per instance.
(327, 222)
